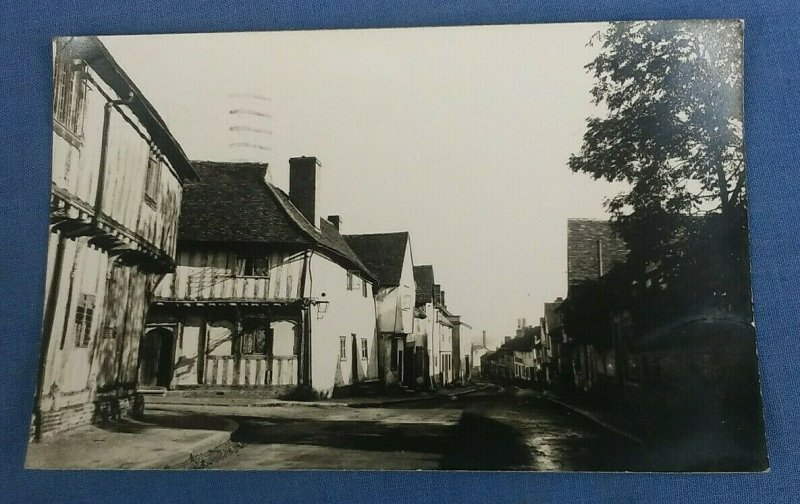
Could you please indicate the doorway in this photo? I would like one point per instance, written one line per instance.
(157, 360)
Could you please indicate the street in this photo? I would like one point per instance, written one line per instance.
(489, 430)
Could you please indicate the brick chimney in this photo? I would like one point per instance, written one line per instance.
(484, 339)
(336, 221)
(304, 174)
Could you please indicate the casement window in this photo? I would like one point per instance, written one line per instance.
(350, 282)
(69, 89)
(152, 177)
(342, 348)
(363, 287)
(364, 351)
(254, 338)
(254, 265)
(84, 314)
(289, 292)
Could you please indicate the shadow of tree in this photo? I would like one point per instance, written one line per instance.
(481, 443)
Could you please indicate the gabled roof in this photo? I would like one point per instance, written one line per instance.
(382, 253)
(95, 54)
(583, 256)
(552, 317)
(423, 276)
(233, 203)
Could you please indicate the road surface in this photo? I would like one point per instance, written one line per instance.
(488, 430)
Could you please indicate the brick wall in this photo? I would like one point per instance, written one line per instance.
(103, 409)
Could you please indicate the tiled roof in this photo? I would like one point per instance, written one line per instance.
(583, 263)
(382, 253)
(524, 343)
(423, 276)
(233, 203)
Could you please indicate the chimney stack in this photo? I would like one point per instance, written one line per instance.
(484, 339)
(304, 174)
(336, 221)
(442, 298)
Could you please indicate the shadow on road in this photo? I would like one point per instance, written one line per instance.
(355, 435)
(483, 444)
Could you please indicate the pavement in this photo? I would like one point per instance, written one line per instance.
(211, 399)
(609, 420)
(176, 430)
(159, 440)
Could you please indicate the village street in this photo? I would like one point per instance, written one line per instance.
(493, 429)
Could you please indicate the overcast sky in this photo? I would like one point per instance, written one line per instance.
(460, 136)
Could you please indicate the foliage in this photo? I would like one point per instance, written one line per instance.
(671, 93)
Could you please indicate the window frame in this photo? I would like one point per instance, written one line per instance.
(152, 178)
(250, 263)
(363, 288)
(350, 281)
(83, 320)
(364, 349)
(69, 94)
(342, 348)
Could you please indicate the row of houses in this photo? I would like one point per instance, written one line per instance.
(548, 354)
(585, 343)
(166, 272)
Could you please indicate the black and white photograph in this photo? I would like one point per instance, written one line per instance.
(475, 248)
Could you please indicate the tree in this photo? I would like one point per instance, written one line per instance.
(671, 93)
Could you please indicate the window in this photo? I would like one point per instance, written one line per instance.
(254, 265)
(349, 280)
(254, 338)
(152, 177)
(363, 287)
(364, 351)
(289, 286)
(342, 348)
(84, 314)
(68, 89)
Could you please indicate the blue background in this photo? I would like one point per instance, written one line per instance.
(772, 43)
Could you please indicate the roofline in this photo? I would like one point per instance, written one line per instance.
(315, 242)
(92, 50)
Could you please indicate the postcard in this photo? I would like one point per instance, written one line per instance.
(490, 248)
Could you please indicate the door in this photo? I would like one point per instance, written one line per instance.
(156, 361)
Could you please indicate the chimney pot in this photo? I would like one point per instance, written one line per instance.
(336, 221)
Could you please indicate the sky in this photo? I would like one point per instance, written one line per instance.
(460, 136)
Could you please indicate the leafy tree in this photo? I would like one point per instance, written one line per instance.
(671, 127)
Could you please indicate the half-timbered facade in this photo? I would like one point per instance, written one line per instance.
(115, 200)
(261, 297)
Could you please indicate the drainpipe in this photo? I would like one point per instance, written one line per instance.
(101, 177)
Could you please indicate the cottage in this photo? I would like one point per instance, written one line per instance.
(388, 257)
(266, 293)
(115, 198)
